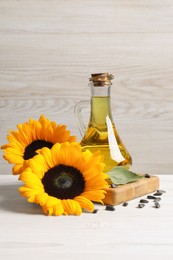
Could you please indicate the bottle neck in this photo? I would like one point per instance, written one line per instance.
(100, 106)
(100, 91)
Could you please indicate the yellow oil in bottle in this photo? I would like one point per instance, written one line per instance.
(96, 136)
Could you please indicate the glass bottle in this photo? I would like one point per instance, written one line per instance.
(101, 133)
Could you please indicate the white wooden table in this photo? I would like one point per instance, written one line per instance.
(127, 233)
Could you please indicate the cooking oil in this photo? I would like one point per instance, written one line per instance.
(101, 133)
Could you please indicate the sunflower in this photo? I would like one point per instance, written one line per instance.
(64, 180)
(32, 136)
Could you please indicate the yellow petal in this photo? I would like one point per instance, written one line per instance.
(52, 201)
(41, 198)
(12, 158)
(94, 195)
(55, 150)
(16, 169)
(85, 203)
(47, 155)
(58, 209)
(71, 207)
(38, 165)
(31, 180)
(28, 193)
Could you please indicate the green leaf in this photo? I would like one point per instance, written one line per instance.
(120, 175)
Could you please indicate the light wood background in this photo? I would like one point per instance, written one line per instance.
(48, 49)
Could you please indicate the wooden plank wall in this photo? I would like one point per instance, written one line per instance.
(48, 49)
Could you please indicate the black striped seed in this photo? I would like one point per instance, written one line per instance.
(141, 205)
(150, 197)
(157, 205)
(95, 211)
(157, 194)
(161, 191)
(125, 204)
(157, 199)
(110, 208)
(143, 201)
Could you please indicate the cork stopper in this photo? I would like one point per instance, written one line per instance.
(101, 79)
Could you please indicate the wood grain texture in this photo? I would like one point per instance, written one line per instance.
(130, 191)
(48, 49)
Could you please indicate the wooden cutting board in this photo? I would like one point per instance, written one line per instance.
(126, 192)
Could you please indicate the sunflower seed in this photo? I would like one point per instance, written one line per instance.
(141, 205)
(157, 194)
(157, 205)
(162, 191)
(157, 199)
(151, 197)
(143, 201)
(147, 175)
(110, 208)
(125, 204)
(95, 211)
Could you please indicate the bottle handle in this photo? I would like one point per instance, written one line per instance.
(78, 114)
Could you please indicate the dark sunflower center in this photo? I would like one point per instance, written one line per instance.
(63, 182)
(30, 150)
